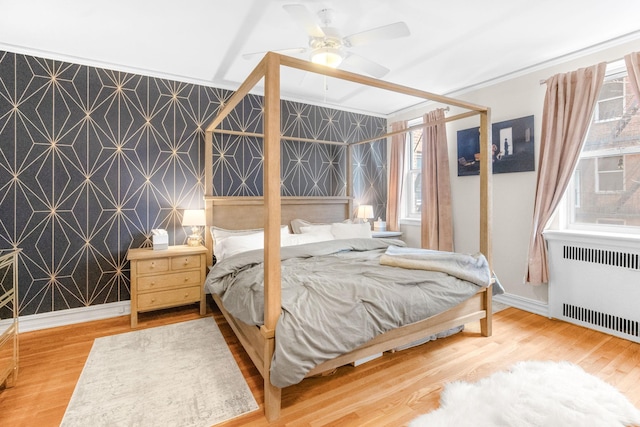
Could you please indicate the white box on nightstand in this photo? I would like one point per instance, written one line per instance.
(160, 239)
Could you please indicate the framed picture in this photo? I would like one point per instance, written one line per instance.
(469, 151)
(513, 147)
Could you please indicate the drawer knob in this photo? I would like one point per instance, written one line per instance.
(152, 283)
(153, 264)
(186, 295)
(186, 261)
(186, 279)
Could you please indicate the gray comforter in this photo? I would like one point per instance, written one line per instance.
(336, 296)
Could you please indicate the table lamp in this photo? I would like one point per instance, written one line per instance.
(195, 219)
(365, 212)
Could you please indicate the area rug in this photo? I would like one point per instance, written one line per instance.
(533, 394)
(176, 375)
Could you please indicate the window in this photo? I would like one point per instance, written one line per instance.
(609, 174)
(610, 104)
(412, 197)
(604, 194)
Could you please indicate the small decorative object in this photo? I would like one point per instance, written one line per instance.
(160, 239)
(365, 212)
(379, 225)
(195, 219)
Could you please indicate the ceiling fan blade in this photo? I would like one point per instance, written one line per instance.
(365, 65)
(301, 14)
(289, 51)
(386, 32)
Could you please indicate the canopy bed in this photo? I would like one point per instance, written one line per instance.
(270, 212)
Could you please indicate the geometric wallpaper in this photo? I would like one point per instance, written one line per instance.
(307, 168)
(92, 159)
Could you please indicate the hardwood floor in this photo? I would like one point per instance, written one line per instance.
(391, 390)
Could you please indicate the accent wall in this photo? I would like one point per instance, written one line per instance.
(92, 159)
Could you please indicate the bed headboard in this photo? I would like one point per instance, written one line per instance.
(237, 213)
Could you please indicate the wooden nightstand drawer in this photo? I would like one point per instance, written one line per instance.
(169, 280)
(168, 298)
(149, 266)
(185, 262)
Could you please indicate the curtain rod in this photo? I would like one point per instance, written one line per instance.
(614, 63)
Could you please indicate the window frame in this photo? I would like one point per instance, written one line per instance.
(573, 196)
(608, 80)
(601, 173)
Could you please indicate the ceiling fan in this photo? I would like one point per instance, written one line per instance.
(328, 47)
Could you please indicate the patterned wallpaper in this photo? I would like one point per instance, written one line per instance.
(308, 169)
(92, 159)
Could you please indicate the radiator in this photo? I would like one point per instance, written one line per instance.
(594, 281)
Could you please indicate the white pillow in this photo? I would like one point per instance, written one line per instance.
(351, 231)
(221, 235)
(301, 239)
(316, 228)
(236, 244)
(297, 224)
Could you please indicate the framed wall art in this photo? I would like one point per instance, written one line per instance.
(513, 147)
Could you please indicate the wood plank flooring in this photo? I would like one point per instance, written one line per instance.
(391, 390)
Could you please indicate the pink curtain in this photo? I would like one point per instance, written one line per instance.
(436, 215)
(568, 107)
(396, 176)
(632, 61)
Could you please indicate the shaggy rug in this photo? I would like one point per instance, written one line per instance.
(176, 375)
(532, 394)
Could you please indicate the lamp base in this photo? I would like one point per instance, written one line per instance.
(194, 240)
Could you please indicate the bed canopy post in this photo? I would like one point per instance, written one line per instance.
(486, 208)
(485, 185)
(272, 221)
(349, 183)
(272, 210)
(208, 190)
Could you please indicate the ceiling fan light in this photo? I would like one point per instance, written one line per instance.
(329, 56)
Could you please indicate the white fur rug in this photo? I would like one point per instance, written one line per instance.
(533, 394)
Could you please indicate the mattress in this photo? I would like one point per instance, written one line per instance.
(336, 296)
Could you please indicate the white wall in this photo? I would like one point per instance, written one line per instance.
(513, 193)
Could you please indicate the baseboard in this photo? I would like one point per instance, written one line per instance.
(52, 319)
(526, 304)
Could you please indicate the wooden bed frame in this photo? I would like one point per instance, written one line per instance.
(272, 210)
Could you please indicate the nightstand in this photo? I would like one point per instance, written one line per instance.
(167, 278)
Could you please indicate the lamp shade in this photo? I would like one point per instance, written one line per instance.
(193, 218)
(365, 211)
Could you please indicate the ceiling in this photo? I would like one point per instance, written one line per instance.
(452, 45)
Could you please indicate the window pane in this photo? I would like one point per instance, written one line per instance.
(417, 191)
(412, 191)
(416, 149)
(610, 181)
(611, 100)
(612, 89)
(605, 190)
(609, 163)
(610, 109)
(414, 199)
